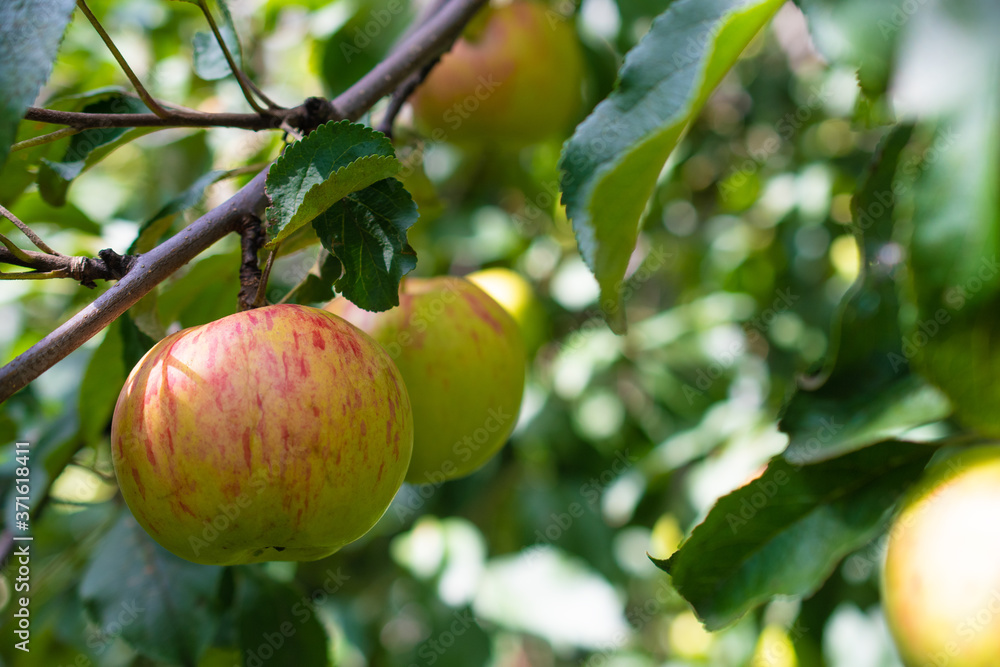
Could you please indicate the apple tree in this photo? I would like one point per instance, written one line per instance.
(510, 332)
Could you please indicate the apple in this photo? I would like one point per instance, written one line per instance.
(463, 361)
(280, 433)
(512, 291)
(514, 78)
(941, 578)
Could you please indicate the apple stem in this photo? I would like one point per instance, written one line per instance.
(251, 240)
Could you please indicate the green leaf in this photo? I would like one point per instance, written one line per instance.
(51, 452)
(831, 422)
(135, 343)
(206, 292)
(783, 533)
(318, 287)
(21, 168)
(355, 48)
(859, 32)
(273, 614)
(31, 206)
(89, 147)
(367, 232)
(954, 258)
(328, 164)
(153, 229)
(101, 384)
(166, 607)
(611, 164)
(209, 61)
(868, 390)
(30, 32)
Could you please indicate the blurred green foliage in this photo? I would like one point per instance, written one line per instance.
(623, 444)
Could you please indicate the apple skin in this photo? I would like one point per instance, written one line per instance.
(463, 361)
(280, 433)
(941, 578)
(512, 291)
(514, 79)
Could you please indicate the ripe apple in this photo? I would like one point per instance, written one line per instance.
(512, 291)
(941, 580)
(462, 358)
(280, 433)
(514, 78)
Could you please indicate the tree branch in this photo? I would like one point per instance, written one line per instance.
(108, 265)
(399, 97)
(241, 78)
(426, 43)
(406, 88)
(83, 121)
(414, 52)
(153, 105)
(27, 231)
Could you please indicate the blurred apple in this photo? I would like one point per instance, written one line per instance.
(941, 581)
(514, 78)
(463, 360)
(280, 433)
(512, 291)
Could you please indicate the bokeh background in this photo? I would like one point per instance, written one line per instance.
(623, 443)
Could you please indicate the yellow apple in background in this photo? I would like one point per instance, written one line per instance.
(513, 79)
(280, 433)
(513, 291)
(463, 361)
(941, 581)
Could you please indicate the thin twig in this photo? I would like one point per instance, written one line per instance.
(17, 252)
(405, 89)
(153, 105)
(237, 72)
(44, 139)
(32, 236)
(399, 97)
(155, 266)
(82, 121)
(33, 275)
(271, 104)
(108, 265)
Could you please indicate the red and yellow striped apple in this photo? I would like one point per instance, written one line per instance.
(462, 358)
(280, 433)
(514, 78)
(941, 580)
